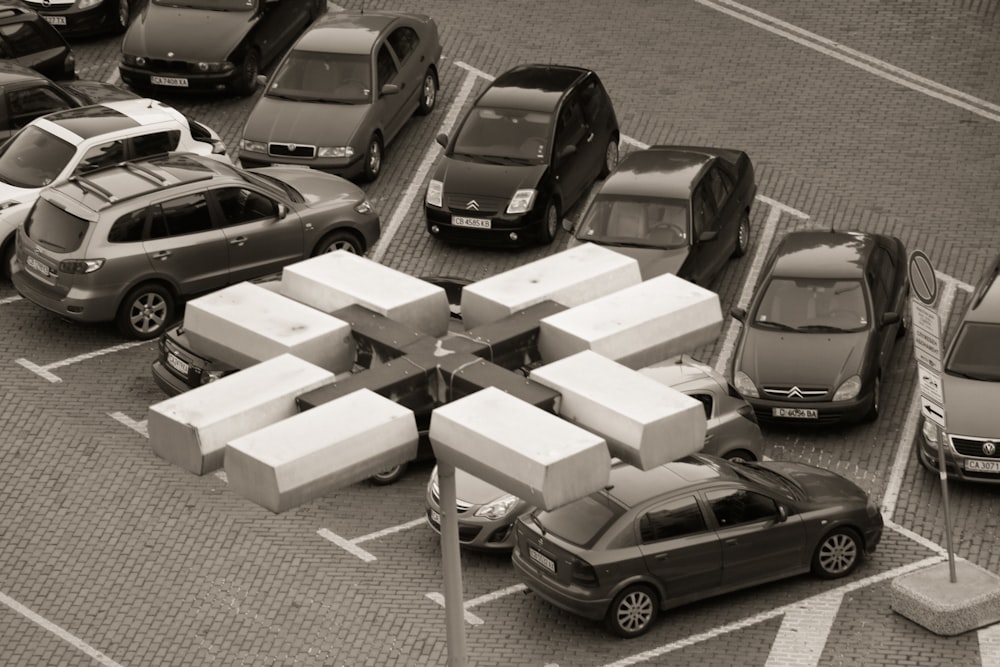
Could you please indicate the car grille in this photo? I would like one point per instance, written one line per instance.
(967, 446)
(465, 533)
(483, 206)
(169, 66)
(291, 150)
(460, 505)
(792, 393)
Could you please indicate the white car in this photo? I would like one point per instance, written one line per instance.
(56, 146)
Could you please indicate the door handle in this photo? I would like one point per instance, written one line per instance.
(732, 541)
(239, 240)
(590, 138)
(162, 254)
(665, 556)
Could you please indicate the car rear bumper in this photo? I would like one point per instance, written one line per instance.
(75, 305)
(594, 609)
(167, 381)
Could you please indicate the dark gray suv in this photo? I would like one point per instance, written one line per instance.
(129, 242)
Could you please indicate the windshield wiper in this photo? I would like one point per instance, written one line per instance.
(768, 324)
(823, 327)
(973, 376)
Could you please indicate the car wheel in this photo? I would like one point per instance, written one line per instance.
(389, 475)
(339, 240)
(739, 456)
(872, 413)
(7, 259)
(742, 236)
(246, 78)
(428, 93)
(837, 555)
(373, 158)
(633, 611)
(550, 225)
(146, 311)
(122, 16)
(610, 158)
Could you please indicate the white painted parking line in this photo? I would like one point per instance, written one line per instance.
(44, 371)
(857, 59)
(10, 299)
(351, 546)
(471, 618)
(804, 631)
(139, 427)
(70, 639)
(989, 646)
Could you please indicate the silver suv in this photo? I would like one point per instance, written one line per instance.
(129, 242)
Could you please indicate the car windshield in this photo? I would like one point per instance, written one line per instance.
(211, 5)
(813, 305)
(633, 221)
(975, 354)
(33, 158)
(323, 77)
(771, 479)
(55, 228)
(504, 136)
(582, 521)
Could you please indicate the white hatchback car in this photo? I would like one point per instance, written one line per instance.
(56, 146)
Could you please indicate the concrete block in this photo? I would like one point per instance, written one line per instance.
(570, 278)
(929, 598)
(342, 442)
(644, 422)
(191, 429)
(637, 326)
(545, 460)
(245, 323)
(339, 279)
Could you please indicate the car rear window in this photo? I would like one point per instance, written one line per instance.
(55, 228)
(33, 157)
(582, 521)
(976, 354)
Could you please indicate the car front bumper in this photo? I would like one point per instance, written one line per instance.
(343, 167)
(142, 79)
(475, 532)
(504, 230)
(74, 22)
(827, 412)
(956, 466)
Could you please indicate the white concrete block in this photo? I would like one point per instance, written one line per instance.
(328, 447)
(246, 323)
(644, 422)
(519, 448)
(339, 279)
(571, 277)
(191, 429)
(637, 326)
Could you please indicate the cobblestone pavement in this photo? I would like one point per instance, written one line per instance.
(874, 115)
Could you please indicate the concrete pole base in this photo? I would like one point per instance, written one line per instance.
(929, 598)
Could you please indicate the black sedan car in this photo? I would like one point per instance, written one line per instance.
(77, 18)
(675, 209)
(210, 45)
(27, 39)
(689, 530)
(821, 327)
(529, 148)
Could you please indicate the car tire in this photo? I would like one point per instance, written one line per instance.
(610, 158)
(742, 236)
(838, 554)
(874, 408)
(246, 78)
(389, 475)
(122, 17)
(146, 311)
(339, 240)
(7, 259)
(373, 158)
(428, 93)
(633, 611)
(739, 456)
(550, 223)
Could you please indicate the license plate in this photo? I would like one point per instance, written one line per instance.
(435, 517)
(178, 364)
(976, 465)
(56, 20)
(542, 559)
(795, 413)
(168, 81)
(37, 266)
(478, 223)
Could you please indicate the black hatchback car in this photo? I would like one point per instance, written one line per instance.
(27, 39)
(529, 148)
(821, 327)
(77, 18)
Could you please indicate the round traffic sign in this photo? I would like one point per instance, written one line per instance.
(923, 282)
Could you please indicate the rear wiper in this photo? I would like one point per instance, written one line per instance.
(533, 515)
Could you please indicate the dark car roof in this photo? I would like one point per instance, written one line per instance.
(824, 254)
(631, 486)
(346, 32)
(985, 306)
(531, 87)
(662, 171)
(11, 72)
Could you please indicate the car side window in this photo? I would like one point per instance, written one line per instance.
(719, 185)
(404, 41)
(386, 66)
(102, 155)
(185, 215)
(30, 103)
(733, 507)
(156, 143)
(570, 129)
(676, 518)
(240, 205)
(591, 100)
(707, 401)
(128, 228)
(702, 210)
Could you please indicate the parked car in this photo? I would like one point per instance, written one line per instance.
(821, 328)
(210, 45)
(971, 383)
(689, 530)
(129, 242)
(529, 148)
(486, 513)
(78, 18)
(27, 39)
(56, 146)
(343, 92)
(675, 209)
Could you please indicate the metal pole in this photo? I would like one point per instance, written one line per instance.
(944, 497)
(451, 563)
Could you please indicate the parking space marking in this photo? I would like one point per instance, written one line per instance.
(10, 299)
(471, 618)
(857, 59)
(140, 426)
(351, 546)
(70, 639)
(989, 645)
(52, 377)
(804, 631)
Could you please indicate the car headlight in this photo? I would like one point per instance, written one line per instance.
(253, 146)
(931, 432)
(848, 389)
(87, 4)
(205, 66)
(435, 193)
(498, 508)
(335, 151)
(522, 201)
(364, 206)
(135, 61)
(745, 385)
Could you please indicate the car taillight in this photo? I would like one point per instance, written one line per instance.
(583, 573)
(80, 265)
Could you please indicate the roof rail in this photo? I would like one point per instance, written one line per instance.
(86, 184)
(145, 171)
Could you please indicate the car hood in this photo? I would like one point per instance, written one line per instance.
(471, 489)
(12, 193)
(320, 190)
(307, 123)
(487, 180)
(174, 33)
(823, 487)
(783, 357)
(655, 261)
(969, 407)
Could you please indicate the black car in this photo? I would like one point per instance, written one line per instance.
(821, 328)
(675, 209)
(27, 39)
(210, 45)
(529, 148)
(76, 18)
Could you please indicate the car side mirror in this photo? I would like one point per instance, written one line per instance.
(282, 211)
(705, 237)
(739, 314)
(782, 514)
(889, 318)
(390, 89)
(261, 79)
(442, 139)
